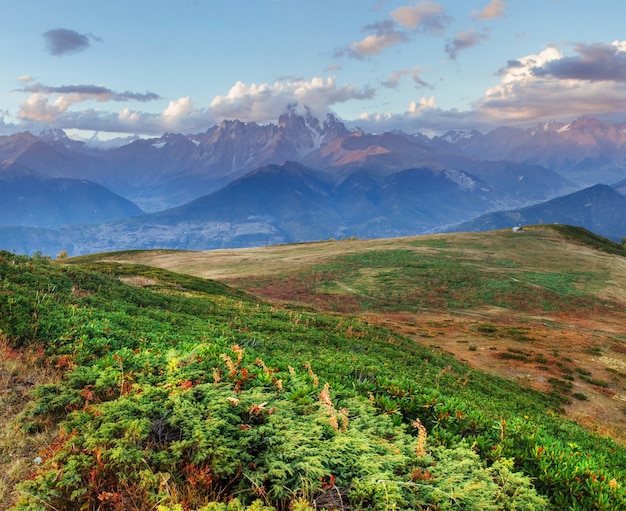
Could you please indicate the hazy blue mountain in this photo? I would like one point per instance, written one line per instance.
(173, 169)
(29, 200)
(599, 208)
(28, 240)
(292, 203)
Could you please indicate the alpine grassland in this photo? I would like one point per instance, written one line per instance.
(444, 372)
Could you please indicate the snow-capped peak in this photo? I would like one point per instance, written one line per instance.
(454, 136)
(52, 135)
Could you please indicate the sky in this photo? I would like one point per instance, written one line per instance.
(146, 67)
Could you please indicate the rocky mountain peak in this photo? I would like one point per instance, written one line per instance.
(548, 127)
(588, 124)
(306, 132)
(52, 135)
(230, 125)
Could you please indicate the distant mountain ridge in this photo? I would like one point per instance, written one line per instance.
(585, 150)
(599, 208)
(30, 200)
(301, 179)
(287, 203)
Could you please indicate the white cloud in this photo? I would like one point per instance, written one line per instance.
(265, 102)
(39, 107)
(47, 103)
(424, 103)
(128, 116)
(178, 108)
(179, 113)
(619, 45)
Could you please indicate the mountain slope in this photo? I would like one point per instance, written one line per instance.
(600, 209)
(28, 200)
(292, 203)
(532, 307)
(290, 200)
(412, 201)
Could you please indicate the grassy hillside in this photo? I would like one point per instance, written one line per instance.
(544, 306)
(134, 387)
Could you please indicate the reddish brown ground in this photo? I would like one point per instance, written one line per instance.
(564, 346)
(556, 347)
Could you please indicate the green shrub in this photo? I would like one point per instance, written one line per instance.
(238, 432)
(465, 483)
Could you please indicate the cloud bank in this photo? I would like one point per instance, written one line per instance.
(263, 103)
(532, 89)
(247, 102)
(558, 83)
(553, 85)
(47, 103)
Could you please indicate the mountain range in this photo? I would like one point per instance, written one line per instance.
(302, 179)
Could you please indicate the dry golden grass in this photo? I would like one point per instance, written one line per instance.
(228, 264)
(530, 250)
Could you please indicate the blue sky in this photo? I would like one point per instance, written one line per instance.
(151, 66)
